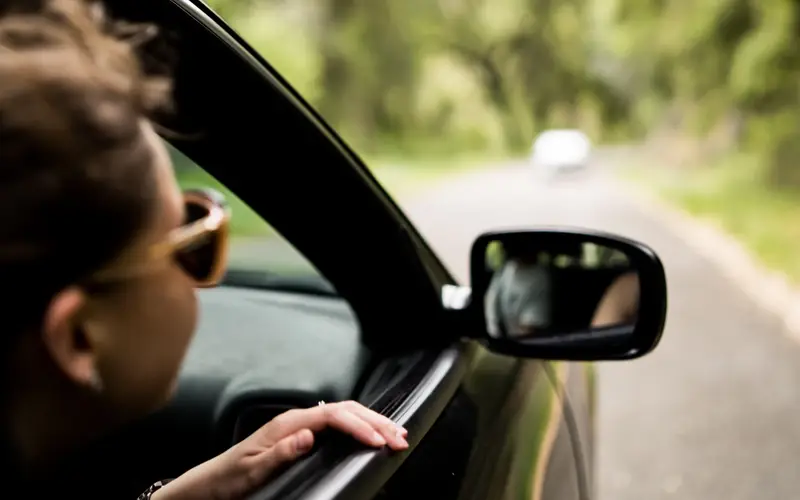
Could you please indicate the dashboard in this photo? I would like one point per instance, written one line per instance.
(257, 353)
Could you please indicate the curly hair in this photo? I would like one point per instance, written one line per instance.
(76, 180)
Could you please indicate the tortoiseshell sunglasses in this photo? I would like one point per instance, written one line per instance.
(199, 246)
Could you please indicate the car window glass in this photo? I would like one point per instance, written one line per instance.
(255, 247)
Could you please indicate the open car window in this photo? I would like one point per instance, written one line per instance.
(259, 256)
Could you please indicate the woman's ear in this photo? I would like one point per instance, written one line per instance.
(65, 339)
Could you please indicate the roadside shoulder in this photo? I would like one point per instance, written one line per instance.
(769, 289)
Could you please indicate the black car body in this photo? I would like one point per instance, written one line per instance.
(481, 425)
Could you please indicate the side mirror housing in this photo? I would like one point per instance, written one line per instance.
(566, 294)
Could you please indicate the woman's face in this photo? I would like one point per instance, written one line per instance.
(133, 337)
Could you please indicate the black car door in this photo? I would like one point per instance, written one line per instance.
(480, 425)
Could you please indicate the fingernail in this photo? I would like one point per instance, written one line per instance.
(378, 439)
(403, 443)
(402, 431)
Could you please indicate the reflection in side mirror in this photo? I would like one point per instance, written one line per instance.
(567, 294)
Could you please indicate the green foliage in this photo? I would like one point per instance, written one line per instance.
(735, 196)
(440, 77)
(435, 77)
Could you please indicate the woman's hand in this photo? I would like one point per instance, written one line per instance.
(250, 463)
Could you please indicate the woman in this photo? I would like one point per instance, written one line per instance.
(98, 248)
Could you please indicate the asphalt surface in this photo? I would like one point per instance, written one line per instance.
(714, 413)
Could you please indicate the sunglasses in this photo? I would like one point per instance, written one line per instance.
(199, 246)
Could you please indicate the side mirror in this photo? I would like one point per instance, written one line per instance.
(566, 295)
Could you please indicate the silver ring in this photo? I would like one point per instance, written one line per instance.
(321, 403)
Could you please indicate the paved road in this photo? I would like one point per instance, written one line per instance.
(714, 413)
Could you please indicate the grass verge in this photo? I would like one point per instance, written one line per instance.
(733, 196)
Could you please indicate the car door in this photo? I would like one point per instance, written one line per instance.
(480, 425)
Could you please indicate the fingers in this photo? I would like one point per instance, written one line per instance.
(285, 451)
(365, 425)
(292, 447)
(393, 433)
(347, 421)
(290, 435)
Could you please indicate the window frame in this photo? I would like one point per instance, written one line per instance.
(268, 277)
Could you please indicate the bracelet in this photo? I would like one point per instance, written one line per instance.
(152, 489)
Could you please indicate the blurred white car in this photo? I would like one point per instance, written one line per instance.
(560, 151)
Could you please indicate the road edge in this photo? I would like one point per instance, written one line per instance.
(769, 289)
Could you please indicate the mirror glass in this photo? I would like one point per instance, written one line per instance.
(545, 287)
